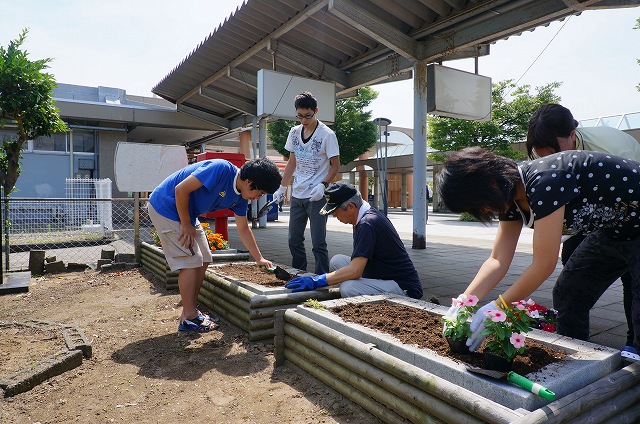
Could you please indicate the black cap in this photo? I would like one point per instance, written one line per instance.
(336, 194)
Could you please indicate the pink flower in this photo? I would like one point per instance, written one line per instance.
(521, 305)
(496, 315)
(517, 340)
(470, 301)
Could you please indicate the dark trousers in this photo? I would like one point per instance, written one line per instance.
(568, 248)
(596, 263)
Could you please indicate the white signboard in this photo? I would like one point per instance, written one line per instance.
(142, 166)
(458, 94)
(277, 92)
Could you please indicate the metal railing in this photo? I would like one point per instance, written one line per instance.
(72, 230)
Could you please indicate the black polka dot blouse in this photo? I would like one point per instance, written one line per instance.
(600, 191)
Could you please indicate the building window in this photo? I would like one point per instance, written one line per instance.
(84, 141)
(55, 143)
(8, 135)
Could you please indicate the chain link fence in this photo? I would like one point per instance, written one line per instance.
(74, 230)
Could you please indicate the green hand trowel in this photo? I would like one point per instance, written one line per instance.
(518, 380)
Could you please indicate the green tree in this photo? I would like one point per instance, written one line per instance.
(26, 100)
(354, 128)
(508, 124)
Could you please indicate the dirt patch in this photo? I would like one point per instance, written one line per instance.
(23, 345)
(421, 328)
(142, 370)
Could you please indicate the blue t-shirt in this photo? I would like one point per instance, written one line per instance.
(600, 191)
(218, 191)
(375, 238)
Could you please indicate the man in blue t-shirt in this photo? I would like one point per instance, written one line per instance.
(379, 262)
(176, 204)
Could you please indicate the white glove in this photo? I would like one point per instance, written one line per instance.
(279, 194)
(451, 312)
(477, 326)
(317, 193)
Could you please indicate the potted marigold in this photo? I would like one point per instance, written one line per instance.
(216, 241)
(506, 331)
(456, 327)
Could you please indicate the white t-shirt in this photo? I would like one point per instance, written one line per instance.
(312, 158)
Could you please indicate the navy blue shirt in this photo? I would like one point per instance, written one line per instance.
(375, 238)
(600, 191)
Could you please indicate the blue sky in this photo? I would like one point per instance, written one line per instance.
(134, 44)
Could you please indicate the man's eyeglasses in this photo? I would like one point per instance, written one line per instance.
(307, 116)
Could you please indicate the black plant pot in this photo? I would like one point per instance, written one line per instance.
(458, 346)
(497, 363)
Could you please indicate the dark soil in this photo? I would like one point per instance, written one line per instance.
(418, 327)
(251, 273)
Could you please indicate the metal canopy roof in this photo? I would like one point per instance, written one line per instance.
(352, 43)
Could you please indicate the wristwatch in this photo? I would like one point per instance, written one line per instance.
(325, 184)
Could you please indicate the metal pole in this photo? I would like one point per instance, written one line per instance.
(419, 155)
(386, 170)
(383, 163)
(263, 154)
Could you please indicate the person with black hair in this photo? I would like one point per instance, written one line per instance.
(563, 193)
(379, 262)
(553, 129)
(174, 208)
(313, 163)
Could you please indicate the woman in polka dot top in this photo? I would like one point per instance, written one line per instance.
(572, 191)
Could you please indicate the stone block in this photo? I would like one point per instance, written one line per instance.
(103, 262)
(75, 266)
(57, 266)
(125, 257)
(108, 254)
(36, 261)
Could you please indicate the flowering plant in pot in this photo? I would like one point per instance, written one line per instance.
(456, 327)
(545, 318)
(216, 241)
(506, 331)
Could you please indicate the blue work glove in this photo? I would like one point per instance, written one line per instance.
(477, 326)
(306, 282)
(317, 193)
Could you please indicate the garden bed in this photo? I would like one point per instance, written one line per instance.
(152, 258)
(397, 381)
(233, 290)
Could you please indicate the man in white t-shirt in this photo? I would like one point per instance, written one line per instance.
(313, 163)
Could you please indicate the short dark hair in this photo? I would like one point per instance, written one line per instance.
(305, 100)
(548, 123)
(263, 173)
(478, 182)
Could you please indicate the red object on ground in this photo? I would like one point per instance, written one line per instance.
(221, 217)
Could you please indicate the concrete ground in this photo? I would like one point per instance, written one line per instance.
(455, 250)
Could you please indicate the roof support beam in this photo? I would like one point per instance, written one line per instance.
(206, 116)
(369, 24)
(242, 77)
(283, 29)
(308, 63)
(382, 70)
(229, 100)
(504, 20)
